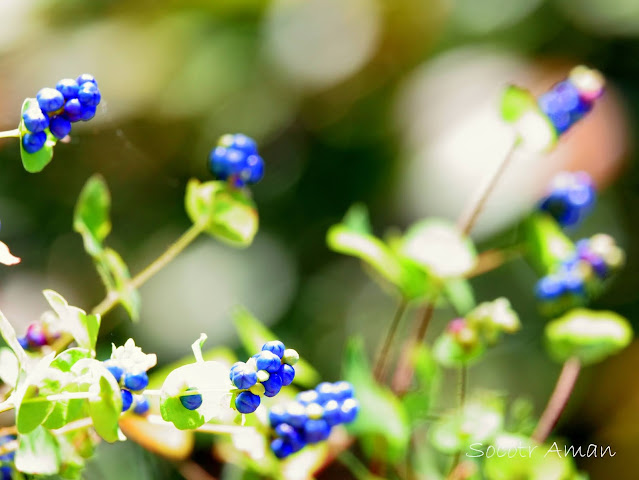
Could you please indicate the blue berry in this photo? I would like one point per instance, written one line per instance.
(268, 361)
(308, 397)
(36, 336)
(234, 367)
(191, 402)
(332, 413)
(9, 456)
(226, 162)
(142, 405)
(296, 415)
(291, 436)
(240, 142)
(253, 169)
(277, 415)
(33, 142)
(24, 343)
(88, 112)
(274, 346)
(287, 374)
(84, 78)
(247, 402)
(7, 472)
(89, 94)
(244, 377)
(116, 371)
(549, 288)
(326, 392)
(60, 126)
(68, 88)
(350, 409)
(34, 120)
(50, 100)
(343, 390)
(273, 385)
(316, 431)
(136, 381)
(73, 110)
(127, 399)
(281, 448)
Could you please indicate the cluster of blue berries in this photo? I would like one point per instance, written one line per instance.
(37, 336)
(581, 275)
(265, 373)
(131, 386)
(570, 198)
(310, 418)
(569, 100)
(69, 102)
(235, 159)
(6, 460)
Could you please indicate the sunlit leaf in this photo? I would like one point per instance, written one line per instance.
(253, 334)
(38, 453)
(32, 407)
(460, 294)
(91, 216)
(129, 297)
(516, 101)
(9, 335)
(35, 162)
(9, 367)
(588, 335)
(6, 257)
(227, 213)
(547, 246)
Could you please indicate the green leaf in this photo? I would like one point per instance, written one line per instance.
(357, 220)
(227, 213)
(547, 247)
(588, 335)
(478, 422)
(9, 335)
(382, 414)
(84, 328)
(32, 408)
(129, 297)
(460, 294)
(106, 407)
(66, 359)
(516, 101)
(9, 367)
(91, 216)
(450, 353)
(35, 162)
(58, 416)
(173, 411)
(253, 334)
(439, 248)
(38, 453)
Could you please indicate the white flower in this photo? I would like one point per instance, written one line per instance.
(131, 358)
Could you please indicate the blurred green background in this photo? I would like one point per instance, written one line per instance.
(387, 102)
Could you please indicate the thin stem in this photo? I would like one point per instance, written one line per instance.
(73, 426)
(206, 428)
(469, 218)
(462, 377)
(10, 133)
(355, 466)
(381, 364)
(404, 371)
(558, 400)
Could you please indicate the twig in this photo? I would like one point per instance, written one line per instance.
(381, 365)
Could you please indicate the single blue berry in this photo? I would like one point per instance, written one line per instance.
(136, 381)
(218, 163)
(268, 361)
(291, 435)
(243, 143)
(191, 402)
(36, 335)
(280, 448)
(573, 283)
(296, 415)
(35, 120)
(326, 392)
(316, 431)
(277, 415)
(88, 112)
(24, 343)
(84, 78)
(274, 346)
(89, 94)
(244, 377)
(127, 399)
(332, 413)
(350, 409)
(549, 288)
(247, 402)
(287, 374)
(343, 390)
(142, 405)
(116, 371)
(68, 88)
(234, 367)
(567, 96)
(33, 142)
(273, 385)
(60, 126)
(50, 100)
(308, 397)
(73, 110)
(253, 169)
(7, 472)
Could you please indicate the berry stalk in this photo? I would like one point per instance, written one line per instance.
(10, 134)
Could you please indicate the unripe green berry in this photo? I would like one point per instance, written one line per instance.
(263, 376)
(258, 388)
(251, 362)
(290, 357)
